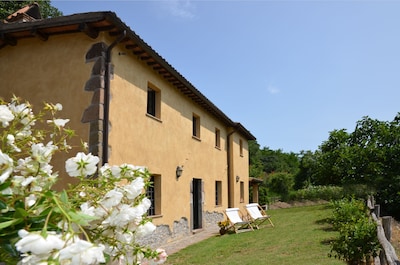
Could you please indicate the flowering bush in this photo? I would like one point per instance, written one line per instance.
(223, 224)
(95, 221)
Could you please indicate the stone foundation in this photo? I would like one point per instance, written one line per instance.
(181, 229)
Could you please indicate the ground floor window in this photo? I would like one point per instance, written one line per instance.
(153, 192)
(241, 191)
(218, 192)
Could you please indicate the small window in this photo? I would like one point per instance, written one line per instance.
(218, 192)
(241, 147)
(217, 138)
(241, 191)
(153, 102)
(153, 192)
(196, 126)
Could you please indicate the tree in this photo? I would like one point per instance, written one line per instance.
(8, 7)
(333, 159)
(368, 156)
(307, 170)
(255, 164)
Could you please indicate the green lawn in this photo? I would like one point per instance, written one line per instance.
(300, 237)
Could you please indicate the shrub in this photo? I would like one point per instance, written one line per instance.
(357, 242)
(347, 211)
(313, 193)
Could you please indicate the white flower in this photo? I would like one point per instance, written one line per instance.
(145, 229)
(58, 106)
(24, 113)
(6, 167)
(30, 200)
(36, 244)
(87, 209)
(134, 188)
(27, 181)
(111, 199)
(161, 258)
(5, 115)
(125, 236)
(32, 260)
(11, 142)
(42, 153)
(123, 216)
(108, 171)
(82, 252)
(81, 165)
(146, 203)
(59, 122)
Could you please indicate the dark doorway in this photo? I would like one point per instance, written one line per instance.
(197, 204)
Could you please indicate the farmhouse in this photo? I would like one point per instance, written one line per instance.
(131, 106)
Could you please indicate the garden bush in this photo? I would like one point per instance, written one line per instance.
(314, 193)
(357, 242)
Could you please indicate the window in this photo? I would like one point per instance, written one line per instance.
(153, 102)
(153, 192)
(218, 192)
(196, 126)
(217, 138)
(241, 147)
(241, 191)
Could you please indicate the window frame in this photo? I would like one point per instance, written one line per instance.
(241, 147)
(218, 193)
(217, 138)
(155, 197)
(153, 107)
(241, 191)
(196, 126)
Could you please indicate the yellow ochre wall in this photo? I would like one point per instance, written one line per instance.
(55, 71)
(163, 144)
(52, 71)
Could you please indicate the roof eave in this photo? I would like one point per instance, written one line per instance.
(93, 22)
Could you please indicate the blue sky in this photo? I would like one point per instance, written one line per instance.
(289, 71)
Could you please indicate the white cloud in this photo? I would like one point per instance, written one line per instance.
(180, 8)
(273, 90)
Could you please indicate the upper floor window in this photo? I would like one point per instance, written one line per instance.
(153, 102)
(241, 147)
(217, 138)
(196, 126)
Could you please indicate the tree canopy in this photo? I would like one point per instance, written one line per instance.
(369, 156)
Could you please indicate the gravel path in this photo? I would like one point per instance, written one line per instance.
(178, 244)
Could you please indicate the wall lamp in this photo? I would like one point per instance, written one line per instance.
(179, 171)
(237, 178)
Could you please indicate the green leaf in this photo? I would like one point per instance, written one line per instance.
(10, 223)
(5, 185)
(3, 205)
(64, 196)
(19, 204)
(20, 212)
(81, 218)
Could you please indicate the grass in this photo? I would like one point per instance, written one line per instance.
(300, 237)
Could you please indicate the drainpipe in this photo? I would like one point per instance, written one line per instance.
(107, 96)
(228, 147)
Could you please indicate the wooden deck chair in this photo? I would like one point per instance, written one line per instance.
(237, 222)
(257, 215)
